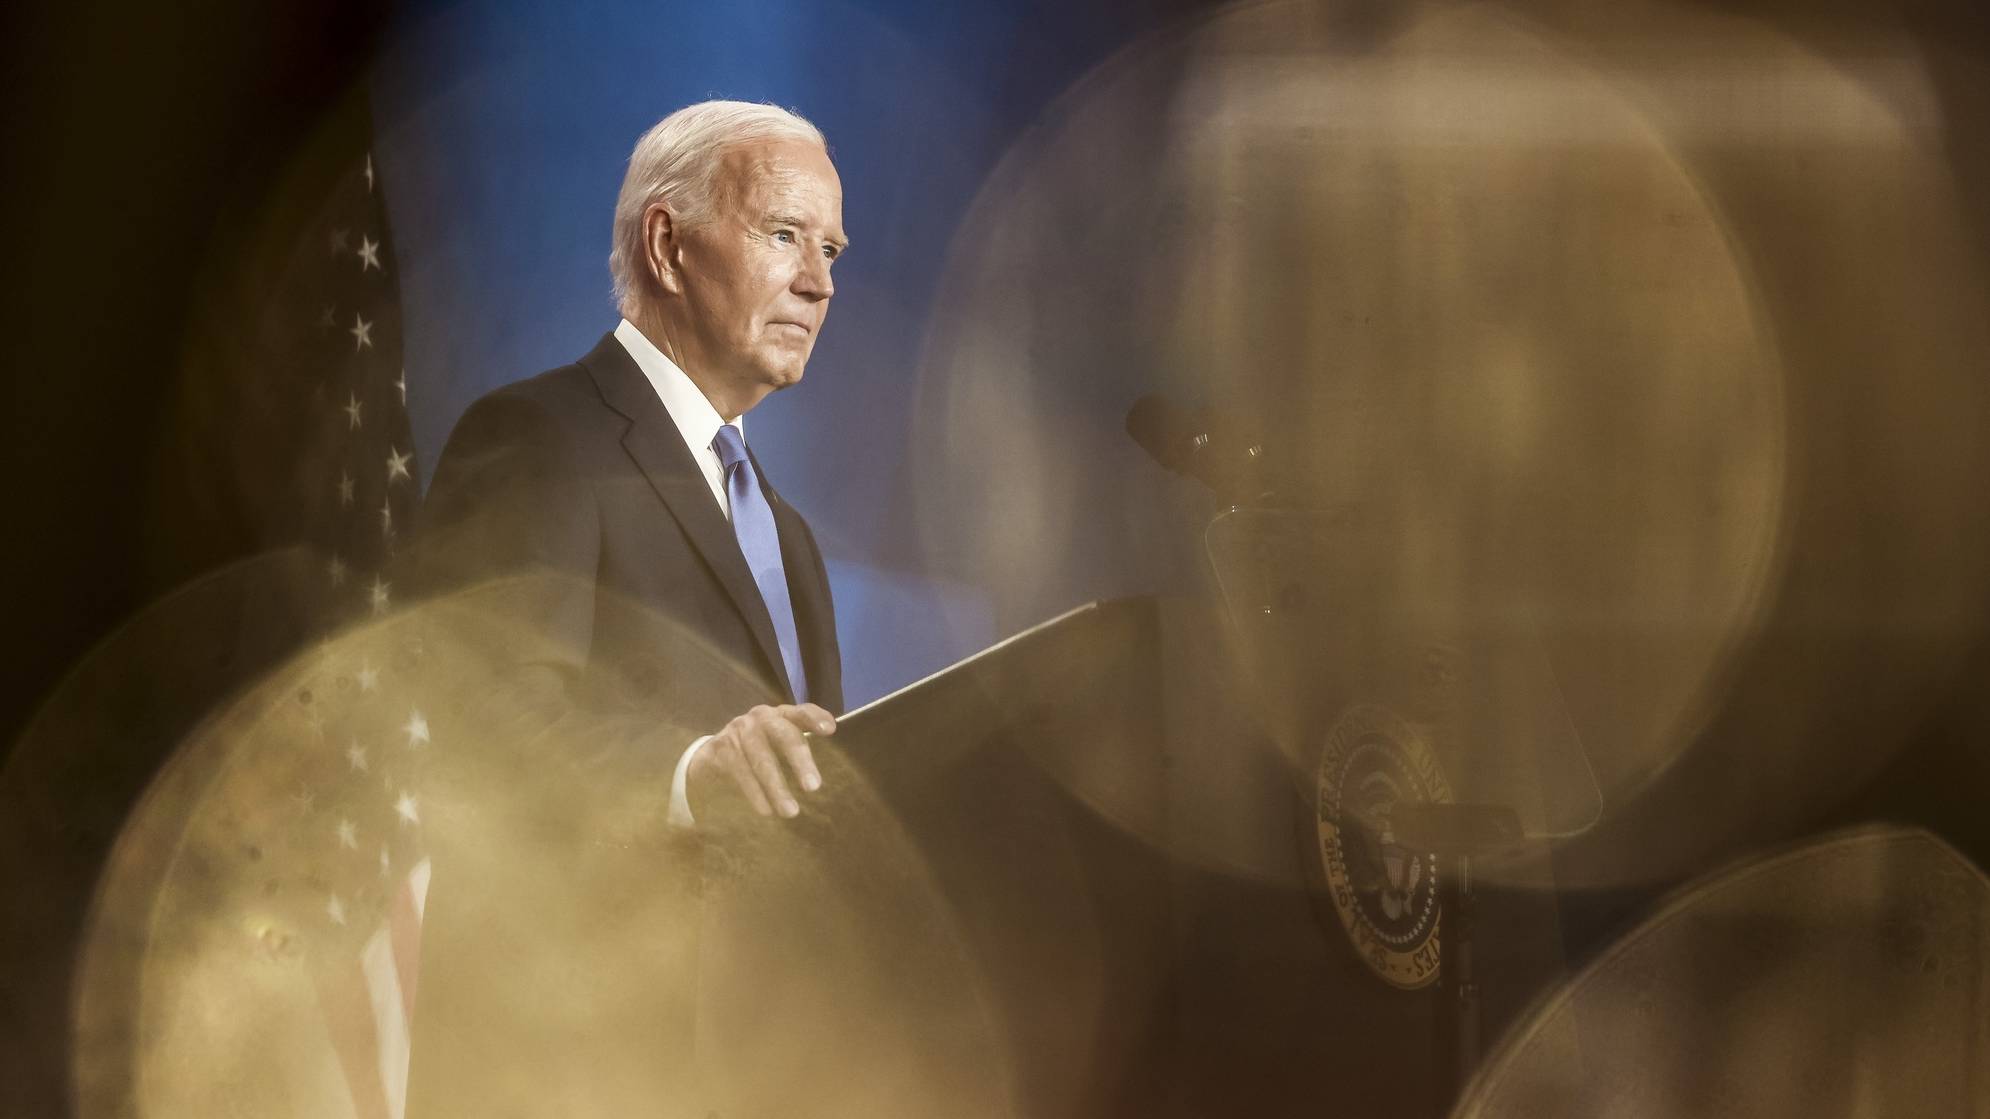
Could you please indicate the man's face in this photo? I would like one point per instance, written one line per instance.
(756, 277)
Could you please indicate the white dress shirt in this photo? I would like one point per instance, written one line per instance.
(698, 422)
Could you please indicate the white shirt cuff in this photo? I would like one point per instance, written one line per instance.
(680, 801)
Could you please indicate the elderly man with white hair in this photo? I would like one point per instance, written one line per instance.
(647, 629)
(629, 474)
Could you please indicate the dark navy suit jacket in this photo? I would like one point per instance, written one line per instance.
(587, 590)
(580, 474)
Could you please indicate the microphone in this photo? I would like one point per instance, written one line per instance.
(1196, 443)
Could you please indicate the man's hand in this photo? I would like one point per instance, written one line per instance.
(760, 750)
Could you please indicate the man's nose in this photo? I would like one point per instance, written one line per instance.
(814, 282)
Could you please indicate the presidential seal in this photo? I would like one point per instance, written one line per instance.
(1384, 894)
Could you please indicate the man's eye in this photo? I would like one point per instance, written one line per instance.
(831, 251)
(785, 236)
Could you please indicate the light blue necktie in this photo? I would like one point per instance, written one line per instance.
(753, 524)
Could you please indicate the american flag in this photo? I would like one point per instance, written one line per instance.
(346, 846)
(334, 811)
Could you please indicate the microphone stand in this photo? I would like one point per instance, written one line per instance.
(1455, 833)
(1225, 457)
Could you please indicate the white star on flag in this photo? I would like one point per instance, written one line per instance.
(377, 594)
(369, 676)
(386, 518)
(369, 172)
(369, 253)
(349, 835)
(397, 464)
(335, 909)
(355, 756)
(402, 385)
(352, 409)
(417, 729)
(362, 333)
(336, 568)
(404, 807)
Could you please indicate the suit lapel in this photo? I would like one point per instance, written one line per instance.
(658, 449)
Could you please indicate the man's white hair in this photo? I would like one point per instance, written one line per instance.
(678, 160)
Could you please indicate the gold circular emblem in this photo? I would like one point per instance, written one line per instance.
(1385, 895)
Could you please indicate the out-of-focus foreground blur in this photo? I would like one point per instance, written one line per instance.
(1584, 712)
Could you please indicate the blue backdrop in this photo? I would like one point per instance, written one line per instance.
(503, 129)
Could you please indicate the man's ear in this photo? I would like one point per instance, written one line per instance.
(662, 251)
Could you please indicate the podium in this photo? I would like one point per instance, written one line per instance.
(1087, 872)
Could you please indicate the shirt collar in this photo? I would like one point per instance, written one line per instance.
(697, 421)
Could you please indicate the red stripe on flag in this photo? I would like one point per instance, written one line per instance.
(348, 1008)
(404, 926)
